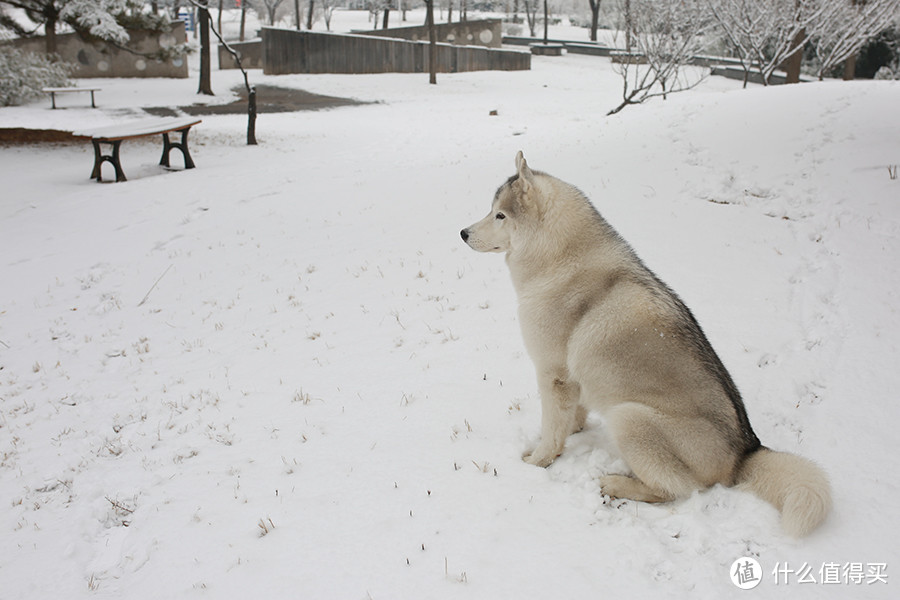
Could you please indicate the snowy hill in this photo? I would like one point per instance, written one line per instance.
(283, 375)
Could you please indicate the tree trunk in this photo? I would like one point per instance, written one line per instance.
(219, 20)
(309, 16)
(793, 63)
(387, 17)
(595, 18)
(546, 20)
(432, 42)
(243, 18)
(251, 116)
(850, 68)
(50, 34)
(205, 72)
(628, 26)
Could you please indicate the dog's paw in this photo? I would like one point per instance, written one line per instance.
(615, 486)
(539, 458)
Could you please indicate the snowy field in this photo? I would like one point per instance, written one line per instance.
(283, 375)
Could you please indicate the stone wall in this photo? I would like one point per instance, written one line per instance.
(99, 59)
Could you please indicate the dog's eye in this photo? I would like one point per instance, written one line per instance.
(500, 216)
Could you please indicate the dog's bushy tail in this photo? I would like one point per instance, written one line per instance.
(794, 485)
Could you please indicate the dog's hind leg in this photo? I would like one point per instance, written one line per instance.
(561, 415)
(644, 438)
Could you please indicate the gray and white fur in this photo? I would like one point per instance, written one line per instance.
(606, 334)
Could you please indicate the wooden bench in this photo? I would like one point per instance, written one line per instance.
(69, 90)
(116, 134)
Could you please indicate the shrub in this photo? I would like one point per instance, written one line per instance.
(883, 51)
(23, 75)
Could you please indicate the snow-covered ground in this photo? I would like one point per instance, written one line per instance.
(283, 375)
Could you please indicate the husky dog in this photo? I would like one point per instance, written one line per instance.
(606, 334)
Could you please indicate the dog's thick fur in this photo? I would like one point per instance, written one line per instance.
(606, 334)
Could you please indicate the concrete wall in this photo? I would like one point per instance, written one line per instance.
(731, 72)
(290, 51)
(249, 51)
(487, 32)
(99, 59)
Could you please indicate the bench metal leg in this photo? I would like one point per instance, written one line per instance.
(182, 145)
(53, 99)
(113, 159)
(93, 105)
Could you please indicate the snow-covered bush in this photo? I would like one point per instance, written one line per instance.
(23, 75)
(885, 74)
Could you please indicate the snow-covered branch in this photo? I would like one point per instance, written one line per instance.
(97, 18)
(855, 22)
(765, 34)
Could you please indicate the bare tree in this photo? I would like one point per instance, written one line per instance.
(327, 11)
(665, 36)
(272, 7)
(840, 39)
(374, 7)
(531, 7)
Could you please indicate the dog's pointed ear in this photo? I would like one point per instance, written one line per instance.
(525, 174)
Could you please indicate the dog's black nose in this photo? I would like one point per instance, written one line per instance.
(464, 234)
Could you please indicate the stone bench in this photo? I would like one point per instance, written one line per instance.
(628, 58)
(547, 49)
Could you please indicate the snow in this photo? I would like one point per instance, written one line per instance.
(282, 373)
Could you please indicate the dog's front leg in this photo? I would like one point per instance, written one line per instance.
(560, 416)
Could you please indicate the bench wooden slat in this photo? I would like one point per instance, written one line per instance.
(70, 89)
(134, 129)
(53, 91)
